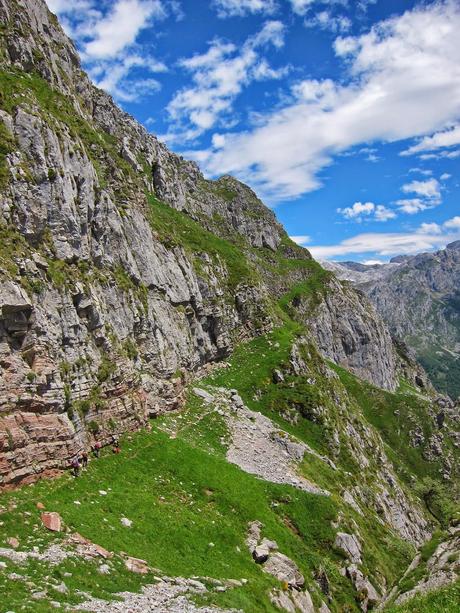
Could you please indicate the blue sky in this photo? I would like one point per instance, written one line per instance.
(343, 115)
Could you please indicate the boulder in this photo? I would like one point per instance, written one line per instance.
(303, 601)
(349, 545)
(369, 596)
(282, 601)
(136, 565)
(284, 569)
(52, 521)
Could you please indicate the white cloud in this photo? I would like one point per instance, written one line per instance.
(219, 75)
(113, 80)
(405, 82)
(425, 238)
(450, 155)
(357, 210)
(439, 140)
(429, 228)
(301, 240)
(239, 8)
(445, 176)
(453, 224)
(412, 205)
(107, 40)
(430, 189)
(422, 171)
(382, 213)
(325, 20)
(119, 28)
(367, 210)
(301, 6)
(428, 195)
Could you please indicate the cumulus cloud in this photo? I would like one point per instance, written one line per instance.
(439, 140)
(219, 76)
(404, 82)
(430, 189)
(453, 224)
(301, 240)
(107, 38)
(301, 7)
(428, 195)
(426, 237)
(239, 8)
(367, 210)
(325, 20)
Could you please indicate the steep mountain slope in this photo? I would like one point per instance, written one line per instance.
(418, 297)
(123, 269)
(132, 287)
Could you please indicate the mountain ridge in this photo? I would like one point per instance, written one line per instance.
(417, 296)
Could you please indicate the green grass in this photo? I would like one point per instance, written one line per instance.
(445, 600)
(443, 369)
(7, 145)
(394, 415)
(180, 500)
(175, 228)
(182, 495)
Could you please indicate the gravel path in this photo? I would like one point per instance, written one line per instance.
(260, 448)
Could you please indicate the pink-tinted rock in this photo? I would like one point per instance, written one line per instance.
(136, 565)
(52, 521)
(12, 542)
(88, 549)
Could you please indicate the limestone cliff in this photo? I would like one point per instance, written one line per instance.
(125, 271)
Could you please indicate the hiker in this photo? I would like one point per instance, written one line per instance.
(75, 467)
(115, 440)
(116, 449)
(97, 448)
(84, 459)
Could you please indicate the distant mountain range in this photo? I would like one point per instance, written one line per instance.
(419, 298)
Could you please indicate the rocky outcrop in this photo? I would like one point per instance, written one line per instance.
(441, 569)
(349, 332)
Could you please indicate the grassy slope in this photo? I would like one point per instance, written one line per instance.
(181, 495)
(445, 600)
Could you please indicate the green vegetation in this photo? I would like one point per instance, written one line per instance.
(173, 493)
(445, 600)
(7, 145)
(312, 289)
(127, 284)
(443, 369)
(180, 489)
(438, 500)
(395, 415)
(106, 369)
(175, 228)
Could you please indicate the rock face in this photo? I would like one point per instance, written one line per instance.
(110, 300)
(348, 331)
(418, 297)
